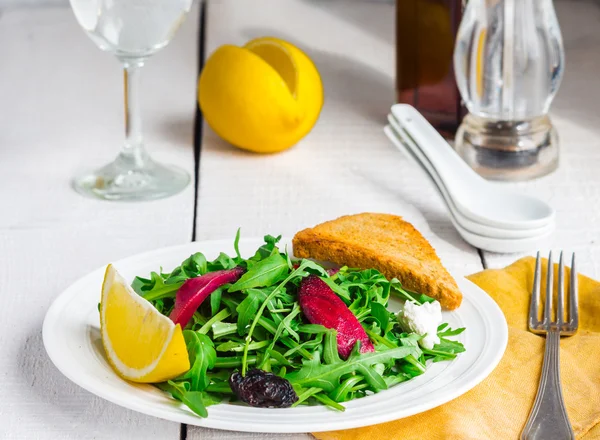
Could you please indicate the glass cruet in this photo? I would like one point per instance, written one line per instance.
(509, 62)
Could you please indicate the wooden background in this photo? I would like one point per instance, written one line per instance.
(61, 110)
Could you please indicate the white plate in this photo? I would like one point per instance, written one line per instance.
(72, 339)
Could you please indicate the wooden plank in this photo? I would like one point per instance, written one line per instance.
(62, 110)
(345, 165)
(196, 433)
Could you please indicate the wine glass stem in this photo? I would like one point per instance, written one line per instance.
(133, 150)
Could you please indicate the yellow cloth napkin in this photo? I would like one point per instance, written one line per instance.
(498, 407)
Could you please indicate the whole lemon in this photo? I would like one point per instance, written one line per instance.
(263, 97)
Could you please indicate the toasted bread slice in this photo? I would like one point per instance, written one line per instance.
(383, 242)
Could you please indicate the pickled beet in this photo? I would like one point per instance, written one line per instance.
(195, 290)
(322, 306)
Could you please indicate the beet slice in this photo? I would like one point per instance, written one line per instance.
(195, 290)
(322, 306)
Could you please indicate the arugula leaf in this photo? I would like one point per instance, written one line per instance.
(236, 246)
(442, 332)
(407, 294)
(159, 305)
(325, 400)
(248, 307)
(340, 394)
(340, 290)
(140, 285)
(288, 259)
(221, 329)
(396, 379)
(233, 361)
(222, 262)
(167, 291)
(209, 399)
(221, 388)
(378, 339)
(202, 358)
(315, 268)
(287, 322)
(312, 328)
(381, 315)
(330, 350)
(279, 358)
(267, 249)
(305, 394)
(410, 370)
(412, 360)
(327, 377)
(195, 265)
(409, 340)
(225, 313)
(239, 346)
(373, 378)
(284, 324)
(155, 288)
(215, 299)
(449, 346)
(265, 273)
(194, 400)
(445, 350)
(198, 321)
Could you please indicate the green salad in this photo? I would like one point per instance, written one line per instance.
(272, 331)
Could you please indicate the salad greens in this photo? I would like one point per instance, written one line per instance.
(257, 322)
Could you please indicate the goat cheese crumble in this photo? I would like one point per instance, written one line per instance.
(422, 319)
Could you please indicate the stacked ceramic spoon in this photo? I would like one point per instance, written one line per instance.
(487, 215)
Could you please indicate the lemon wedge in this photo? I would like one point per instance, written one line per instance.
(141, 344)
(263, 97)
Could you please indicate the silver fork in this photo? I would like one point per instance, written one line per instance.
(548, 419)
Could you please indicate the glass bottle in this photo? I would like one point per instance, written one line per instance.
(425, 33)
(509, 62)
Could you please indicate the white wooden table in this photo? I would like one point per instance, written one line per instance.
(61, 110)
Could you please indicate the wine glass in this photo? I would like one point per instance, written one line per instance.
(132, 30)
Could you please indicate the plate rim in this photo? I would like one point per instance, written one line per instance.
(52, 348)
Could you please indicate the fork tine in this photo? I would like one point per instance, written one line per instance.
(534, 305)
(561, 291)
(574, 300)
(549, 289)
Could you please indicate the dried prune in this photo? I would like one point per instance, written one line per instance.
(262, 389)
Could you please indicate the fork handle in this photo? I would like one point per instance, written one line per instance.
(548, 419)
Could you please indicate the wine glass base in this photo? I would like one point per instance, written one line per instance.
(114, 181)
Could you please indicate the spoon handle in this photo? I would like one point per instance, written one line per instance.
(404, 143)
(474, 197)
(443, 158)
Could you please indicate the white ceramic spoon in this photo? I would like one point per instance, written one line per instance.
(476, 198)
(499, 245)
(465, 222)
